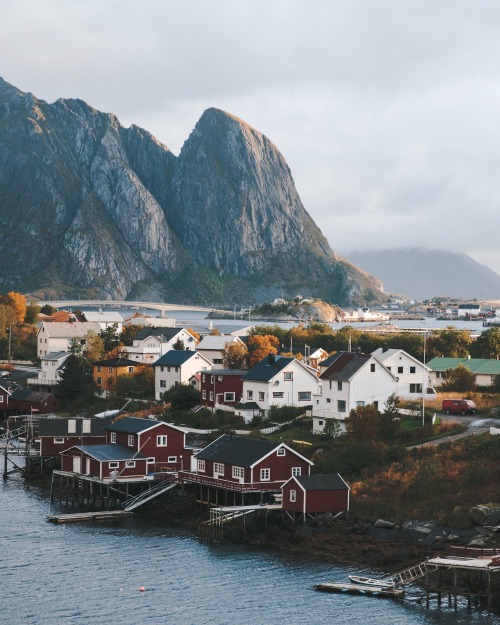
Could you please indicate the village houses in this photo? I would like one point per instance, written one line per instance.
(213, 346)
(151, 343)
(58, 337)
(410, 372)
(106, 372)
(221, 388)
(350, 380)
(48, 375)
(177, 367)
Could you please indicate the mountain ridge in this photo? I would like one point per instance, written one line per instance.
(89, 206)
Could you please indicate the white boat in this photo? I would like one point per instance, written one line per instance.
(368, 581)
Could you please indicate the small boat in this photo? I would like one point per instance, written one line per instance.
(368, 581)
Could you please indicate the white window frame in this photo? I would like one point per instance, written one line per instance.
(265, 475)
(238, 472)
(296, 471)
(218, 468)
(201, 466)
(229, 396)
(130, 440)
(113, 437)
(304, 396)
(59, 440)
(162, 440)
(130, 464)
(114, 465)
(293, 496)
(281, 451)
(172, 459)
(288, 376)
(249, 394)
(262, 396)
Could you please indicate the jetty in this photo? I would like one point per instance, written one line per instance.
(88, 516)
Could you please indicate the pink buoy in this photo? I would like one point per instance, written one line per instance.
(142, 589)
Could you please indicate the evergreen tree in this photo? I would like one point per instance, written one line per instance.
(75, 382)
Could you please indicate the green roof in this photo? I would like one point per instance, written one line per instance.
(475, 365)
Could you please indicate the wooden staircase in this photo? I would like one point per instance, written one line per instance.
(157, 490)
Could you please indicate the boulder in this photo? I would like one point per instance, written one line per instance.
(488, 514)
(380, 523)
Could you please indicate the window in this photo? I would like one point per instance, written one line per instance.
(228, 397)
(328, 400)
(58, 441)
(320, 422)
(400, 369)
(99, 368)
(98, 381)
(341, 405)
(211, 379)
(176, 369)
(130, 440)
(110, 369)
(238, 472)
(131, 369)
(204, 394)
(71, 426)
(203, 377)
(262, 396)
(130, 464)
(281, 452)
(293, 495)
(278, 395)
(218, 468)
(413, 370)
(304, 396)
(86, 426)
(296, 471)
(172, 459)
(168, 369)
(217, 361)
(163, 384)
(162, 368)
(265, 475)
(360, 404)
(372, 367)
(288, 376)
(113, 465)
(415, 388)
(113, 437)
(249, 394)
(211, 395)
(339, 386)
(201, 466)
(375, 405)
(161, 441)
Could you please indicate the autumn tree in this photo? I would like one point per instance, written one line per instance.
(138, 385)
(487, 344)
(47, 309)
(17, 303)
(93, 347)
(450, 342)
(110, 337)
(129, 332)
(235, 355)
(195, 334)
(260, 346)
(215, 332)
(459, 379)
(7, 318)
(363, 423)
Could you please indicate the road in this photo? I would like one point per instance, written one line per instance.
(475, 425)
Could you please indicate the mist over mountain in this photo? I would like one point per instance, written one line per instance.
(423, 273)
(91, 208)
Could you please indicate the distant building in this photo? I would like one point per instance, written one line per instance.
(58, 337)
(485, 370)
(468, 310)
(106, 372)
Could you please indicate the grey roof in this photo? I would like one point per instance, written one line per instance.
(117, 362)
(59, 427)
(132, 425)
(21, 394)
(345, 365)
(328, 361)
(105, 453)
(105, 316)
(267, 368)
(237, 450)
(163, 334)
(322, 482)
(175, 357)
(216, 342)
(227, 371)
(55, 356)
(77, 329)
(249, 405)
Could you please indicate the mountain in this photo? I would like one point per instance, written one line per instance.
(90, 207)
(424, 273)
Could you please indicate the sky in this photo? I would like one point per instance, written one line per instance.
(387, 111)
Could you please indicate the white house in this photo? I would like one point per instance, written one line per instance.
(411, 373)
(468, 310)
(177, 367)
(151, 322)
(278, 381)
(105, 318)
(212, 347)
(350, 381)
(57, 337)
(48, 375)
(151, 343)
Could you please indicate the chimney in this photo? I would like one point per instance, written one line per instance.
(271, 359)
(384, 348)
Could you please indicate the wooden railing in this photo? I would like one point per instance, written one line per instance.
(204, 480)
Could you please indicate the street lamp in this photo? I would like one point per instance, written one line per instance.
(424, 386)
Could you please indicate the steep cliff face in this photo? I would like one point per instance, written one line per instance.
(90, 206)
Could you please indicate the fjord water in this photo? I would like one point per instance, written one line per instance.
(90, 574)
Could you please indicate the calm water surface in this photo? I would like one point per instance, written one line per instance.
(91, 575)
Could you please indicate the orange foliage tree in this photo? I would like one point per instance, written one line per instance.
(17, 303)
(260, 345)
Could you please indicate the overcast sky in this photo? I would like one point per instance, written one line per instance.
(386, 111)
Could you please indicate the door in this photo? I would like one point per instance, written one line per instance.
(77, 464)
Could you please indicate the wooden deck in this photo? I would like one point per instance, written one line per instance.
(359, 589)
(88, 516)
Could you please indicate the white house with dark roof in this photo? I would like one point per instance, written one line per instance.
(279, 381)
(151, 343)
(351, 380)
(411, 373)
(177, 367)
(57, 337)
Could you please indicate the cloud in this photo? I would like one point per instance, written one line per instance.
(385, 111)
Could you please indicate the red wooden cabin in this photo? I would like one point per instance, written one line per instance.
(314, 494)
(56, 435)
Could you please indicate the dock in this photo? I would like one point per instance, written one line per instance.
(89, 516)
(358, 589)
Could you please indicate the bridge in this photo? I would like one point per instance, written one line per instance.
(111, 303)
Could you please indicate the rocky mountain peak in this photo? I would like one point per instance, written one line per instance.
(8, 91)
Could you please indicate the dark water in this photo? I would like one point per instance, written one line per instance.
(91, 574)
